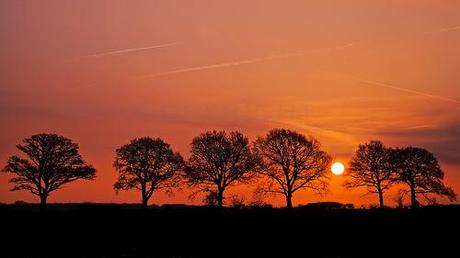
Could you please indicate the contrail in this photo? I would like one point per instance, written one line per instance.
(128, 50)
(242, 62)
(386, 85)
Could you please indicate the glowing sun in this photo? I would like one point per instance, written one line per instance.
(337, 168)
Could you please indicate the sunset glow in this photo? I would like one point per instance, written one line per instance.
(345, 72)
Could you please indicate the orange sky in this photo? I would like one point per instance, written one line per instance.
(343, 71)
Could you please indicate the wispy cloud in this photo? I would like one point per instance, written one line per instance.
(128, 50)
(243, 62)
(332, 134)
(417, 127)
(443, 140)
(416, 92)
(450, 29)
(446, 29)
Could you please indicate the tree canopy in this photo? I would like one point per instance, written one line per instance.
(50, 162)
(219, 160)
(420, 171)
(370, 167)
(147, 164)
(292, 161)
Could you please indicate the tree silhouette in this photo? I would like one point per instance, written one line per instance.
(292, 162)
(218, 160)
(52, 161)
(371, 167)
(148, 165)
(420, 170)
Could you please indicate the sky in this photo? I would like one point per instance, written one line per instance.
(345, 72)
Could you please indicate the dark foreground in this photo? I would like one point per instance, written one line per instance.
(125, 231)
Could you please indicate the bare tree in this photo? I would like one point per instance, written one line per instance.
(147, 165)
(371, 167)
(420, 171)
(219, 160)
(52, 161)
(291, 162)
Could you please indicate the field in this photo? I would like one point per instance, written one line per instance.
(124, 230)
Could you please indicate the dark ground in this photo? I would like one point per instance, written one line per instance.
(109, 230)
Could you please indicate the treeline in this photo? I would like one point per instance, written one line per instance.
(281, 162)
(378, 168)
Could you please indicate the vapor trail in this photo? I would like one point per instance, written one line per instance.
(128, 50)
(242, 62)
(390, 86)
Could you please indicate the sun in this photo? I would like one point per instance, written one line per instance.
(337, 168)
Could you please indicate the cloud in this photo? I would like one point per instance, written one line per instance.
(443, 30)
(443, 141)
(450, 29)
(332, 135)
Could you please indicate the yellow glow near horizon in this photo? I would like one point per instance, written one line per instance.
(337, 168)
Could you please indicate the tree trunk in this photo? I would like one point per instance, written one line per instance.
(289, 200)
(220, 198)
(144, 198)
(144, 203)
(381, 206)
(413, 197)
(43, 198)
